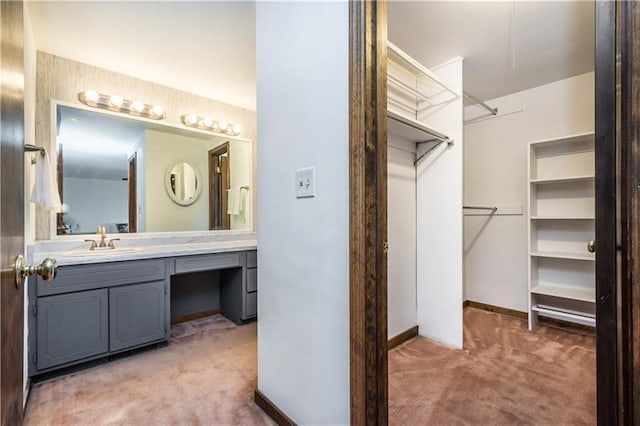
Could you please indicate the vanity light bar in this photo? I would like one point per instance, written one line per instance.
(206, 123)
(117, 103)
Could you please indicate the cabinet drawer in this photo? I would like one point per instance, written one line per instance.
(210, 262)
(71, 327)
(100, 275)
(137, 314)
(252, 280)
(251, 305)
(252, 259)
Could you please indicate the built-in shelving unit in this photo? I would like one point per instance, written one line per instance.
(412, 90)
(561, 212)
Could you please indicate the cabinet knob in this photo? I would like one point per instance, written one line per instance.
(591, 246)
(48, 270)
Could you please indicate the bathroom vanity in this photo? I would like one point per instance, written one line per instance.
(104, 304)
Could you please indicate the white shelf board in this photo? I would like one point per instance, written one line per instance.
(582, 294)
(580, 137)
(569, 316)
(561, 255)
(562, 218)
(412, 129)
(583, 178)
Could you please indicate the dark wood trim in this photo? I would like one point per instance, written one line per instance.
(605, 194)
(630, 215)
(218, 184)
(194, 316)
(133, 193)
(368, 211)
(60, 176)
(400, 338)
(280, 418)
(495, 309)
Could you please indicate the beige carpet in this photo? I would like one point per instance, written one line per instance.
(206, 376)
(505, 376)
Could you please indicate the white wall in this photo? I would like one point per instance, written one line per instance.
(401, 218)
(162, 149)
(303, 261)
(495, 168)
(439, 221)
(95, 202)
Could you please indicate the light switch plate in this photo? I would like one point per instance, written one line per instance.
(306, 182)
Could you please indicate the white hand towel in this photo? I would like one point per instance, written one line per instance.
(234, 200)
(45, 187)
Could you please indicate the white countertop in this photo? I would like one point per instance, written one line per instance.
(74, 251)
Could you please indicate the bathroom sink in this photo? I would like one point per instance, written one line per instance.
(101, 251)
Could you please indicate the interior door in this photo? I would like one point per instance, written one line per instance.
(133, 193)
(219, 183)
(11, 209)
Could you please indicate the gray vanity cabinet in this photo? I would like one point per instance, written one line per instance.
(71, 327)
(97, 310)
(137, 314)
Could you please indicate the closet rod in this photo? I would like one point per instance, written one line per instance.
(493, 111)
(33, 148)
(493, 209)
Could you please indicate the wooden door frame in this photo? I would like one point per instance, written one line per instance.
(629, 371)
(606, 221)
(225, 220)
(133, 193)
(368, 209)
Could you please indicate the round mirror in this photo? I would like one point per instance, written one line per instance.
(183, 182)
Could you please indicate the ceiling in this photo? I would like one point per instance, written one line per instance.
(208, 48)
(205, 48)
(508, 46)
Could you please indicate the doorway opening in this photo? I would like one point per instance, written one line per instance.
(562, 212)
(219, 186)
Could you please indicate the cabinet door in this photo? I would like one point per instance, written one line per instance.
(137, 314)
(71, 327)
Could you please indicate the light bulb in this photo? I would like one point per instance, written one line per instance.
(207, 121)
(91, 95)
(116, 100)
(192, 119)
(236, 128)
(137, 106)
(222, 125)
(157, 110)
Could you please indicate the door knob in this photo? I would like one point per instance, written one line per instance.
(591, 246)
(47, 270)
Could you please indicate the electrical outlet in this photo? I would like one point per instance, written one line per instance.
(306, 182)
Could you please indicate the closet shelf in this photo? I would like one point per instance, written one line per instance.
(424, 76)
(561, 255)
(567, 315)
(582, 178)
(414, 130)
(562, 217)
(582, 294)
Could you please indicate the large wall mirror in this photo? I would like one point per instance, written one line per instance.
(132, 175)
